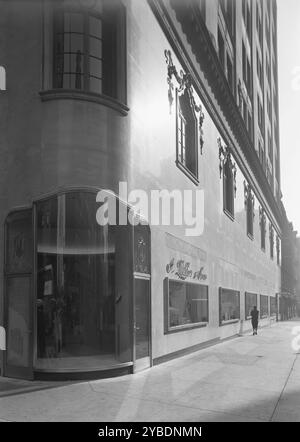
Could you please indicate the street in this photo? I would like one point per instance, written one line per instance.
(249, 378)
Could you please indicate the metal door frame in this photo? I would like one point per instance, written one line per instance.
(11, 370)
(145, 276)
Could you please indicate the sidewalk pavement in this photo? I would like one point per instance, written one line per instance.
(250, 378)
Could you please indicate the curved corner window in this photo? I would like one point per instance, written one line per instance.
(2, 79)
(187, 144)
(89, 48)
(82, 303)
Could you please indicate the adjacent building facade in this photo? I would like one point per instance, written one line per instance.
(164, 97)
(289, 270)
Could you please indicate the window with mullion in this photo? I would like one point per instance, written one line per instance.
(78, 51)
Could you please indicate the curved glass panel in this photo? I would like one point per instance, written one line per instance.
(80, 312)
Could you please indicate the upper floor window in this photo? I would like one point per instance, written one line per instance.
(87, 53)
(187, 144)
(262, 224)
(260, 115)
(270, 147)
(271, 231)
(221, 47)
(259, 70)
(278, 249)
(259, 26)
(249, 205)
(228, 10)
(247, 77)
(2, 79)
(228, 167)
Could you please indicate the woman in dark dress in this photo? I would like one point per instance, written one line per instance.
(254, 319)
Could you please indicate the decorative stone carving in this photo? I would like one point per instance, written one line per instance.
(184, 82)
(225, 157)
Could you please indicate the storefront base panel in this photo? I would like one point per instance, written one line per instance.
(87, 375)
(189, 350)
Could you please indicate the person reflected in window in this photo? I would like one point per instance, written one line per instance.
(254, 319)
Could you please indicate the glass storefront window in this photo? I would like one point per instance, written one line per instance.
(273, 306)
(264, 306)
(80, 317)
(250, 302)
(229, 305)
(187, 304)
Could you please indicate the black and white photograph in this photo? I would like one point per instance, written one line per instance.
(149, 214)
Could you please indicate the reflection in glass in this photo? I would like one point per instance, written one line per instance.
(250, 302)
(76, 297)
(229, 305)
(273, 306)
(264, 306)
(188, 303)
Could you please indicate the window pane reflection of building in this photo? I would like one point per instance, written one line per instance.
(76, 285)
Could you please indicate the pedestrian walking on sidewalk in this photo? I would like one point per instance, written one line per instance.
(254, 319)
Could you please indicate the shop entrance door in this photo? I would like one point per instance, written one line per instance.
(142, 323)
(18, 301)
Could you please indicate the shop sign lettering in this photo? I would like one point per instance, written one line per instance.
(182, 269)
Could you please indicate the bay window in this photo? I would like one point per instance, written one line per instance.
(88, 52)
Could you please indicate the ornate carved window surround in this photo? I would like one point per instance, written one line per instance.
(189, 120)
(228, 170)
(194, 28)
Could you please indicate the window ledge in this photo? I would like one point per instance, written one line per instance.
(74, 94)
(231, 321)
(187, 172)
(229, 214)
(185, 327)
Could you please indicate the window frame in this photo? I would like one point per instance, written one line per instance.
(250, 213)
(275, 300)
(231, 321)
(271, 234)
(263, 230)
(261, 315)
(181, 328)
(248, 317)
(114, 93)
(58, 16)
(228, 185)
(194, 177)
